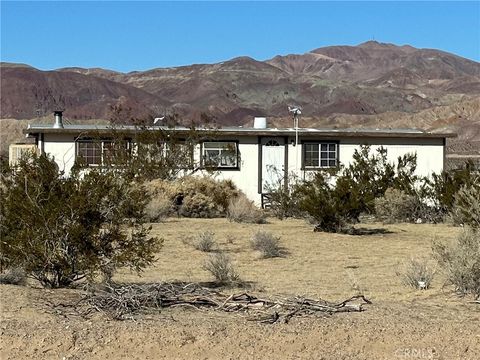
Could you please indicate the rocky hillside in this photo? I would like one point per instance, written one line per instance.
(372, 83)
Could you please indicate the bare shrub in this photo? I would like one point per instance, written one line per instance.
(466, 208)
(242, 210)
(205, 241)
(267, 244)
(14, 276)
(221, 267)
(417, 273)
(396, 206)
(194, 196)
(159, 208)
(461, 261)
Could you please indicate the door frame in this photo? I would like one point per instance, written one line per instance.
(260, 160)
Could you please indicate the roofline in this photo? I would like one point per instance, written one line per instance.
(304, 132)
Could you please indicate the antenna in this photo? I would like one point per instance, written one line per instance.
(296, 112)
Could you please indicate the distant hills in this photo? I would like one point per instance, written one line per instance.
(372, 84)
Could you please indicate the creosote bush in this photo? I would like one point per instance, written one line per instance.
(466, 207)
(242, 210)
(267, 244)
(63, 229)
(221, 267)
(417, 273)
(461, 261)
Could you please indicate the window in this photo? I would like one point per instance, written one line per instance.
(222, 154)
(101, 152)
(320, 155)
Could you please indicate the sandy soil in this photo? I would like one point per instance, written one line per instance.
(402, 323)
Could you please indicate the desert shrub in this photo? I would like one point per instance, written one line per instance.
(221, 267)
(14, 276)
(267, 244)
(282, 200)
(396, 206)
(461, 261)
(204, 241)
(196, 196)
(243, 210)
(158, 208)
(336, 205)
(63, 229)
(466, 207)
(417, 273)
(442, 188)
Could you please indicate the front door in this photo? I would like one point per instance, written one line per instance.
(273, 162)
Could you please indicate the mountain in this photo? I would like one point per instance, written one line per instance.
(371, 79)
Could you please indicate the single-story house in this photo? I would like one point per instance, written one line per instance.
(254, 157)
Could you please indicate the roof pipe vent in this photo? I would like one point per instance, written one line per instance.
(58, 120)
(259, 123)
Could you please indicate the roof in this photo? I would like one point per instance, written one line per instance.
(244, 131)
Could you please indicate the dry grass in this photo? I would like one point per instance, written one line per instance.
(320, 265)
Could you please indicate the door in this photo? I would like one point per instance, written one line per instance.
(273, 162)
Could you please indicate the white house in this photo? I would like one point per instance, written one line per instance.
(255, 157)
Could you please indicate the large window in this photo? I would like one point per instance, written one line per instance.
(222, 154)
(102, 152)
(320, 155)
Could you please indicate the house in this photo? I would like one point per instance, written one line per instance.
(254, 157)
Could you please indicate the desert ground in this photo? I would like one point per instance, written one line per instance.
(401, 322)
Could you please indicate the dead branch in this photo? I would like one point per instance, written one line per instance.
(123, 302)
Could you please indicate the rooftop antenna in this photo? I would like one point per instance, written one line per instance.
(157, 119)
(296, 112)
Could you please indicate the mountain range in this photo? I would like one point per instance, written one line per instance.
(372, 84)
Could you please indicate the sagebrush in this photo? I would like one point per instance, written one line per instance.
(222, 269)
(267, 244)
(461, 261)
(417, 273)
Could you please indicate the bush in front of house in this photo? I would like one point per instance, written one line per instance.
(195, 196)
(63, 229)
(243, 210)
(396, 206)
(466, 207)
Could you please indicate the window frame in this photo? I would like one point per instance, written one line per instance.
(319, 144)
(204, 165)
(103, 149)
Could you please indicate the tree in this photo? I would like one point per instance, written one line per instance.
(338, 202)
(63, 229)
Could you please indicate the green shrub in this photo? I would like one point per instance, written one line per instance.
(466, 208)
(461, 261)
(242, 210)
(267, 244)
(62, 229)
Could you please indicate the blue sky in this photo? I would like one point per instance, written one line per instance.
(129, 35)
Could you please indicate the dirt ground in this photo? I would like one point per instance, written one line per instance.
(402, 323)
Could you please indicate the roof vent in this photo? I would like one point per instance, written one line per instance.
(259, 123)
(58, 120)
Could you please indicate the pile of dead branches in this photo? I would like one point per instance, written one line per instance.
(123, 302)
